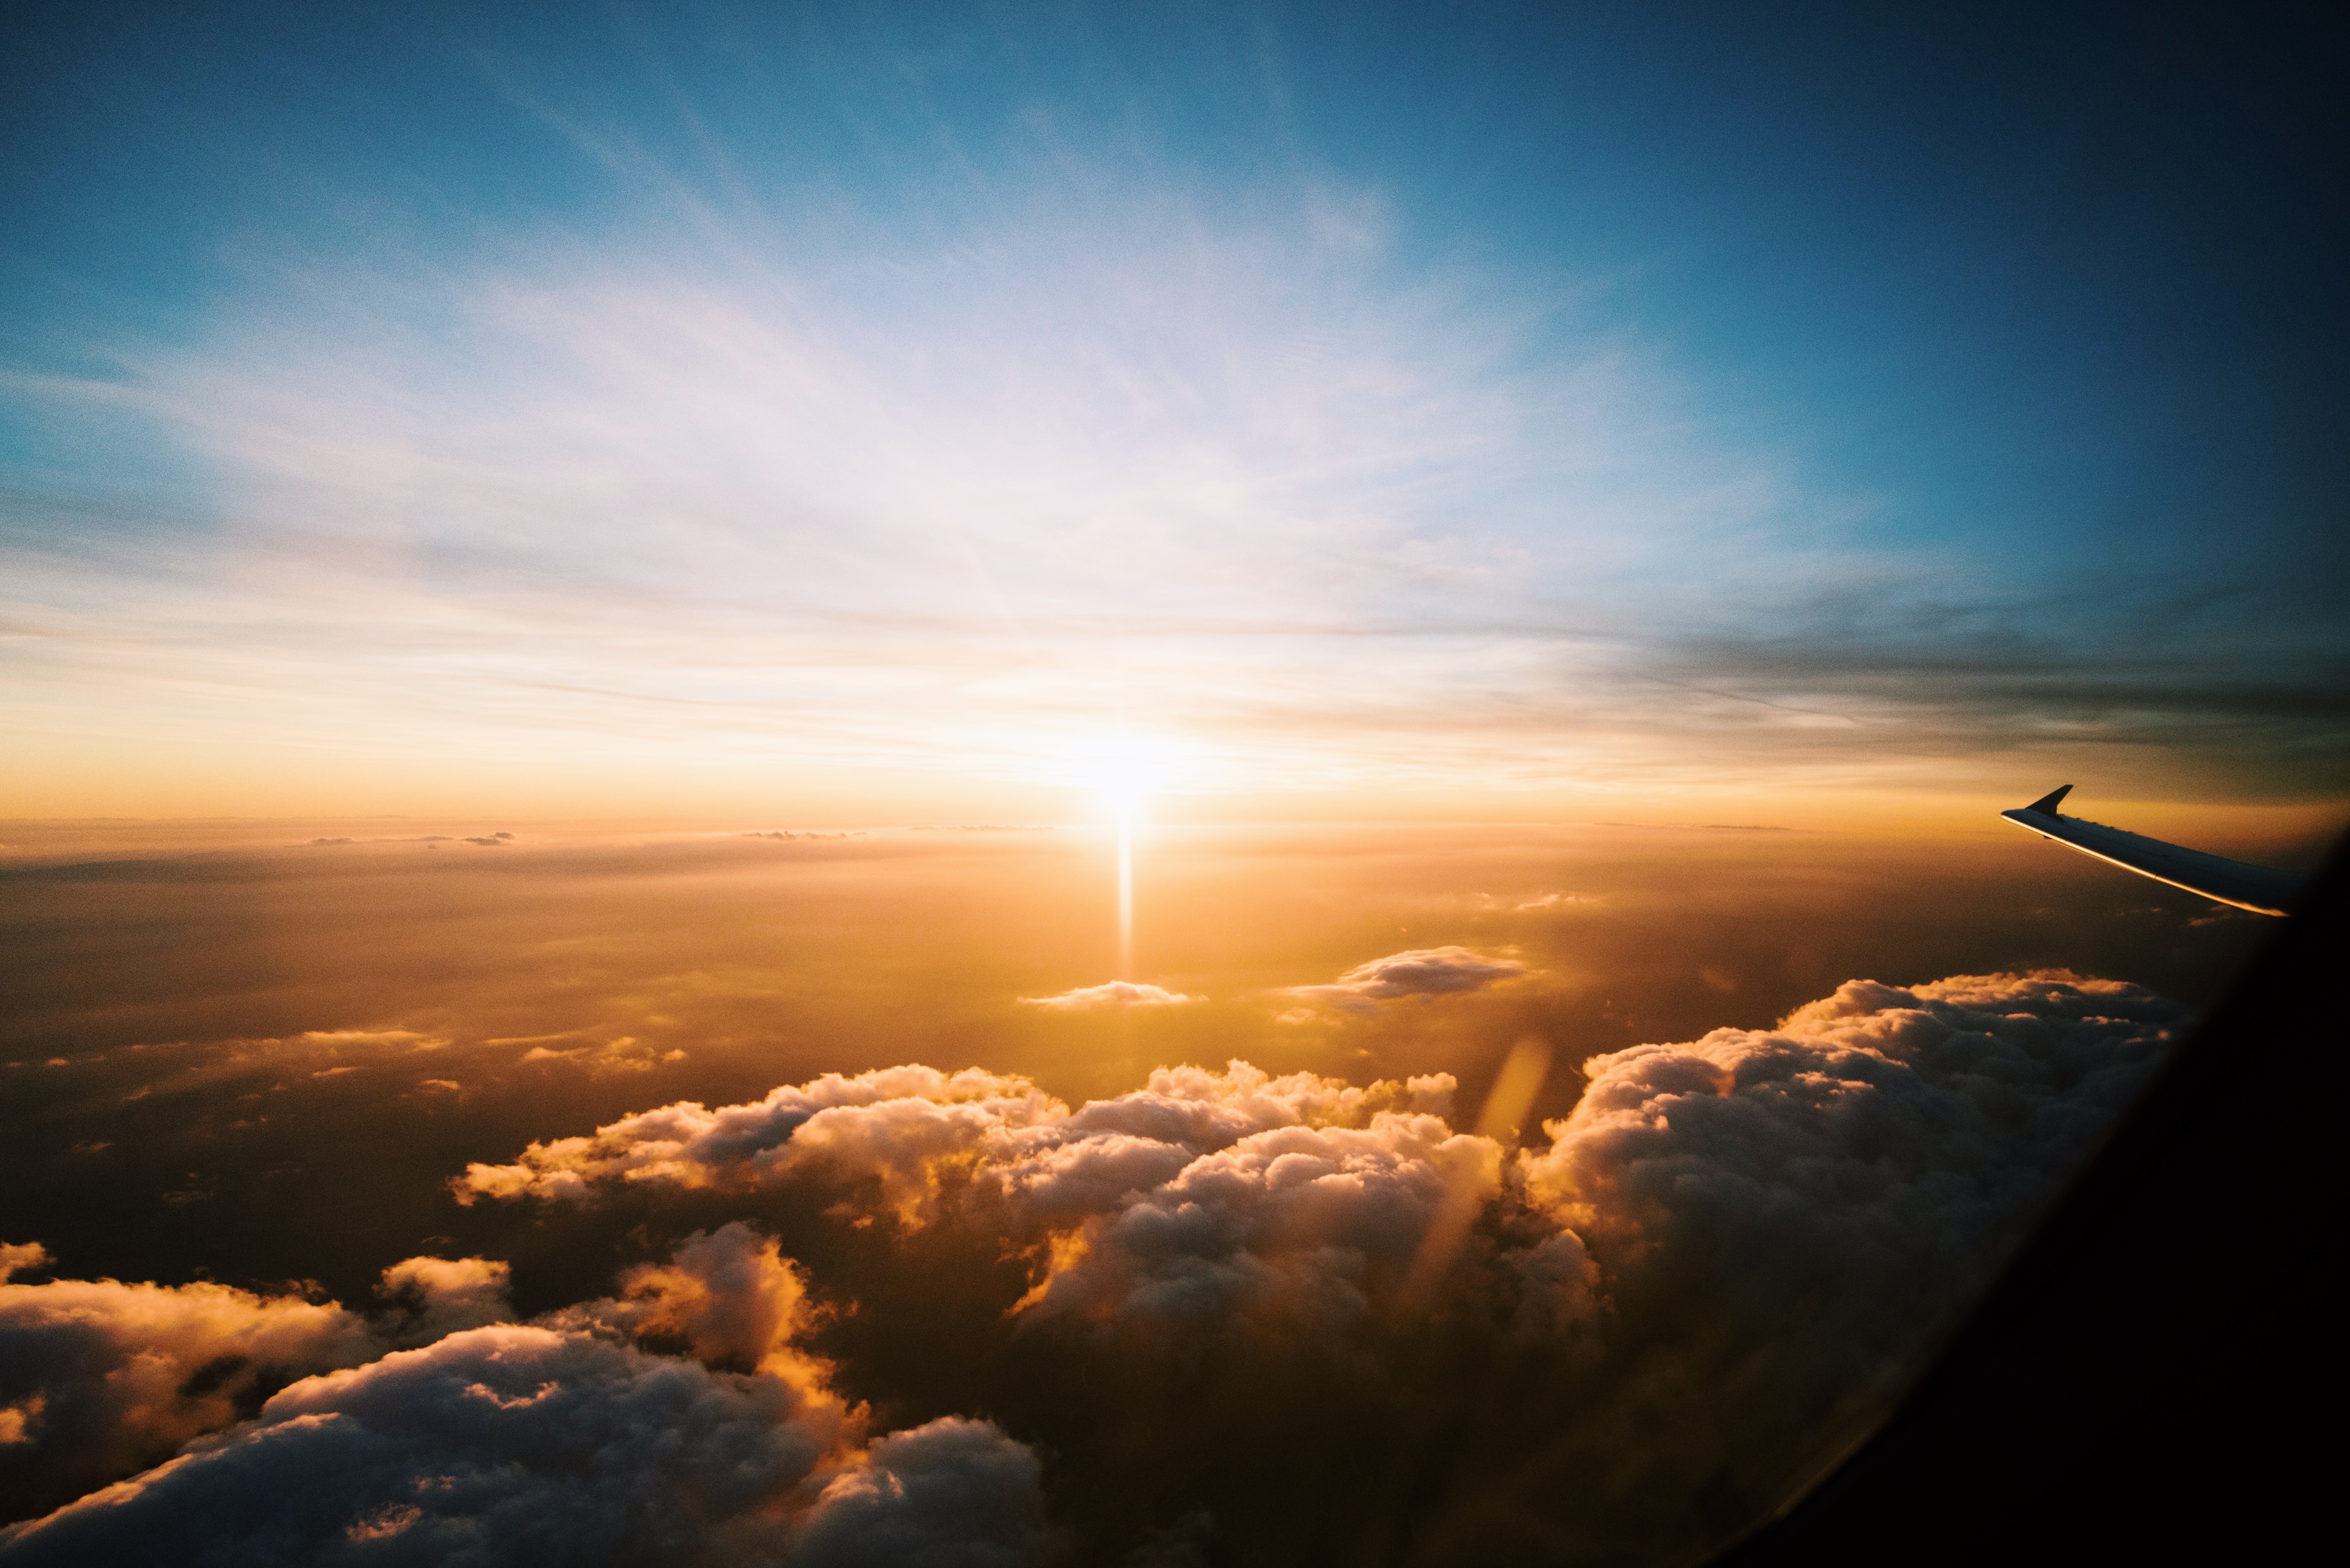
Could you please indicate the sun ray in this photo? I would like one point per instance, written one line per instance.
(1126, 810)
(1122, 771)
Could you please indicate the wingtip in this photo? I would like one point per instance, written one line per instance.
(2048, 802)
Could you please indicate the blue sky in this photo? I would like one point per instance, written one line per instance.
(1603, 399)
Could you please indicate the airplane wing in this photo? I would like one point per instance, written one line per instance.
(2259, 889)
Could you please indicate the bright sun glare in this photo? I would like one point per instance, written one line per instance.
(1122, 771)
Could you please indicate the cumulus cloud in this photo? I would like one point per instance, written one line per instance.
(957, 1493)
(919, 1133)
(1956, 1107)
(1783, 1218)
(1111, 993)
(729, 1296)
(1231, 1306)
(1714, 1271)
(1421, 971)
(1304, 1223)
(687, 1144)
(568, 1439)
(524, 1444)
(106, 1378)
(1849, 1105)
(437, 1296)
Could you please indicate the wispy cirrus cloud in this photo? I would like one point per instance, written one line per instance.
(1196, 454)
(1247, 463)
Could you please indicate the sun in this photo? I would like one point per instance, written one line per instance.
(1124, 791)
(1122, 771)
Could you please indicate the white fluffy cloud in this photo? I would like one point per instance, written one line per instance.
(1784, 1219)
(1719, 1267)
(687, 1144)
(440, 1296)
(1755, 1231)
(102, 1378)
(1420, 972)
(729, 1296)
(1882, 1131)
(106, 1377)
(555, 1440)
(1303, 1224)
(917, 1132)
(1111, 993)
(523, 1444)
(1878, 1128)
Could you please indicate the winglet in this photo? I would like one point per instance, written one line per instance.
(2048, 801)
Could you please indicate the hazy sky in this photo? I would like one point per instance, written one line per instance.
(871, 410)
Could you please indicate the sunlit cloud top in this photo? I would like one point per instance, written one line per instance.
(987, 400)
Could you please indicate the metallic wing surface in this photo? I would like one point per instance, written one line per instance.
(2259, 888)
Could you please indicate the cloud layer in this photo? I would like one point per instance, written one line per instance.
(1232, 1308)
